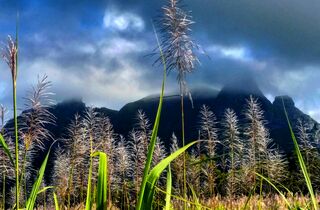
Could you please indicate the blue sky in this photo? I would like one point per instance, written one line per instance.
(96, 49)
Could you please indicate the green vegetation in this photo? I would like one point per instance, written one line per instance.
(231, 169)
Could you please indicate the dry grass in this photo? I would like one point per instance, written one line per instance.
(270, 202)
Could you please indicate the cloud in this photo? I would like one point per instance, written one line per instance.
(102, 45)
(122, 20)
(121, 47)
(109, 72)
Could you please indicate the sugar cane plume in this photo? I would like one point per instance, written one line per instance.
(235, 147)
(123, 163)
(253, 131)
(143, 129)
(138, 158)
(176, 166)
(303, 135)
(309, 150)
(138, 147)
(3, 112)
(261, 157)
(277, 165)
(38, 116)
(177, 46)
(194, 170)
(77, 152)
(61, 174)
(159, 152)
(106, 141)
(208, 130)
(9, 54)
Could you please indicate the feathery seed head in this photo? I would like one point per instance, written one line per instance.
(34, 120)
(176, 43)
(9, 55)
(208, 129)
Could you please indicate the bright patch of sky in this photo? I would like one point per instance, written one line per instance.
(122, 20)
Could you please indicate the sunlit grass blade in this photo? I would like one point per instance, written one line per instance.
(280, 193)
(249, 197)
(102, 181)
(154, 176)
(6, 148)
(45, 189)
(89, 190)
(195, 198)
(301, 161)
(260, 195)
(168, 189)
(35, 188)
(56, 202)
(154, 133)
(88, 199)
(182, 199)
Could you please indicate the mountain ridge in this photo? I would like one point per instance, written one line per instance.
(124, 120)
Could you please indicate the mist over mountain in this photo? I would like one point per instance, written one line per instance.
(233, 95)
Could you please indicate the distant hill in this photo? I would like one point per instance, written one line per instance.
(233, 95)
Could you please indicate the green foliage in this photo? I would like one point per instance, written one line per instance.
(35, 189)
(154, 175)
(301, 161)
(168, 189)
(154, 134)
(102, 181)
(56, 203)
(5, 148)
(280, 193)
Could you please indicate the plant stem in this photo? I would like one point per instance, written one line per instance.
(70, 185)
(4, 191)
(44, 201)
(154, 132)
(14, 86)
(183, 143)
(88, 201)
(16, 139)
(23, 180)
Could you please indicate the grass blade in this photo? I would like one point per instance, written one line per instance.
(154, 132)
(56, 203)
(155, 173)
(301, 161)
(182, 199)
(102, 181)
(195, 198)
(280, 193)
(6, 148)
(45, 189)
(168, 189)
(88, 199)
(89, 191)
(35, 188)
(249, 197)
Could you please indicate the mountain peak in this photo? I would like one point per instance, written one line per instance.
(287, 100)
(243, 85)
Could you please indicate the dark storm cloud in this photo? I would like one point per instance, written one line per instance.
(286, 31)
(102, 45)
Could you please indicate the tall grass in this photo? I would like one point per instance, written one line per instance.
(247, 159)
(301, 161)
(154, 132)
(178, 52)
(10, 56)
(168, 189)
(102, 185)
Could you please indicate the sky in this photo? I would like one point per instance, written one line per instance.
(97, 50)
